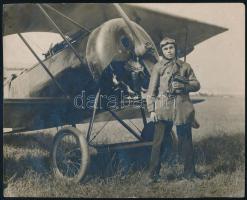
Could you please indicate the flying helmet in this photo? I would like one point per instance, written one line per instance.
(166, 41)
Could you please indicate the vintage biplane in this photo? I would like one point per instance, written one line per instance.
(99, 41)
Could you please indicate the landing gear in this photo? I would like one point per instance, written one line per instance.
(70, 152)
(70, 156)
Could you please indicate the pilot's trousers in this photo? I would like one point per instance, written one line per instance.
(185, 147)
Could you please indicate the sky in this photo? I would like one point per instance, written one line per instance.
(219, 62)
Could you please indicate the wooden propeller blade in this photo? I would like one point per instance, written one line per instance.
(138, 43)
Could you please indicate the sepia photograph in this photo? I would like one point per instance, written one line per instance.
(123, 100)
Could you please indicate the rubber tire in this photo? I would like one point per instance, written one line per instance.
(85, 157)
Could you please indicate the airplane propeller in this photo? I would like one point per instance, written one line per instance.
(140, 48)
(119, 39)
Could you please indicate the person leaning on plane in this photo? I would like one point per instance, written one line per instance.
(168, 103)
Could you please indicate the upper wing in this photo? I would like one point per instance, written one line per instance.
(160, 24)
(29, 18)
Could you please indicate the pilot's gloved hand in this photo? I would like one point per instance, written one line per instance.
(153, 117)
(178, 87)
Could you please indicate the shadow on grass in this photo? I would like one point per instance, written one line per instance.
(119, 162)
(219, 154)
(223, 153)
(22, 140)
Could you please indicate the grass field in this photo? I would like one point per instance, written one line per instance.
(219, 147)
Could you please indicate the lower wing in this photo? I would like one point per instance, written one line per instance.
(47, 112)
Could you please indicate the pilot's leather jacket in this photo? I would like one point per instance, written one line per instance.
(177, 108)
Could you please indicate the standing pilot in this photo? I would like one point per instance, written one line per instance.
(169, 103)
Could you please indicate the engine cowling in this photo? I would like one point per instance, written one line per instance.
(110, 42)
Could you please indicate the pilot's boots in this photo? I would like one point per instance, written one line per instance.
(186, 150)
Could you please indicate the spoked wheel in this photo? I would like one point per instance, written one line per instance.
(70, 157)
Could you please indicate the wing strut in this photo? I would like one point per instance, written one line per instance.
(186, 42)
(43, 65)
(68, 18)
(93, 115)
(62, 35)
